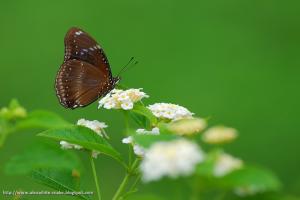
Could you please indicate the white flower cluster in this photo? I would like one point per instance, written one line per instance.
(170, 111)
(96, 126)
(154, 131)
(219, 134)
(137, 149)
(173, 158)
(122, 99)
(225, 164)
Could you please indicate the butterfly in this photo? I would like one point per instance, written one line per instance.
(85, 74)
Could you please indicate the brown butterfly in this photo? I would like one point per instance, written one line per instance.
(85, 74)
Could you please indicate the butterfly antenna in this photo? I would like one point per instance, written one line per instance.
(128, 66)
(131, 66)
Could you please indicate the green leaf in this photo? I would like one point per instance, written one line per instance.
(60, 180)
(140, 109)
(84, 137)
(248, 178)
(252, 177)
(42, 156)
(41, 119)
(147, 140)
(49, 165)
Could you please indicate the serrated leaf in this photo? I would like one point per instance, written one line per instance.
(147, 140)
(252, 177)
(42, 119)
(84, 137)
(140, 109)
(42, 156)
(60, 180)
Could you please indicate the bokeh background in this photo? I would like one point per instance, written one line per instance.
(236, 62)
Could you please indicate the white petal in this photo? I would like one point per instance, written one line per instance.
(95, 154)
(138, 150)
(127, 140)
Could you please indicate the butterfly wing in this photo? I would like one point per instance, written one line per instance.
(81, 46)
(78, 83)
(85, 74)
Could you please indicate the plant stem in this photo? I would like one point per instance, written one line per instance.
(121, 187)
(135, 183)
(129, 155)
(125, 180)
(95, 177)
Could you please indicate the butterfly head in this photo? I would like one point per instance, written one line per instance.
(115, 80)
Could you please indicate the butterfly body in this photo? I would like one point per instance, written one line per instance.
(85, 74)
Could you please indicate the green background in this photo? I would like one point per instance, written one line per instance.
(234, 61)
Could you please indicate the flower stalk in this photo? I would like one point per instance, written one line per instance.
(124, 183)
(95, 177)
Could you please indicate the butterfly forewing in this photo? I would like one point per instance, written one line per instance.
(85, 74)
(81, 46)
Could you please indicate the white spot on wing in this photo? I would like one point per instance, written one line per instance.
(78, 32)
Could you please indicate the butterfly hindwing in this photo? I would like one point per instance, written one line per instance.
(78, 83)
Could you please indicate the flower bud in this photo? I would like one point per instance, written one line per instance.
(219, 135)
(187, 126)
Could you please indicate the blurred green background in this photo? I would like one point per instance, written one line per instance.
(234, 61)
